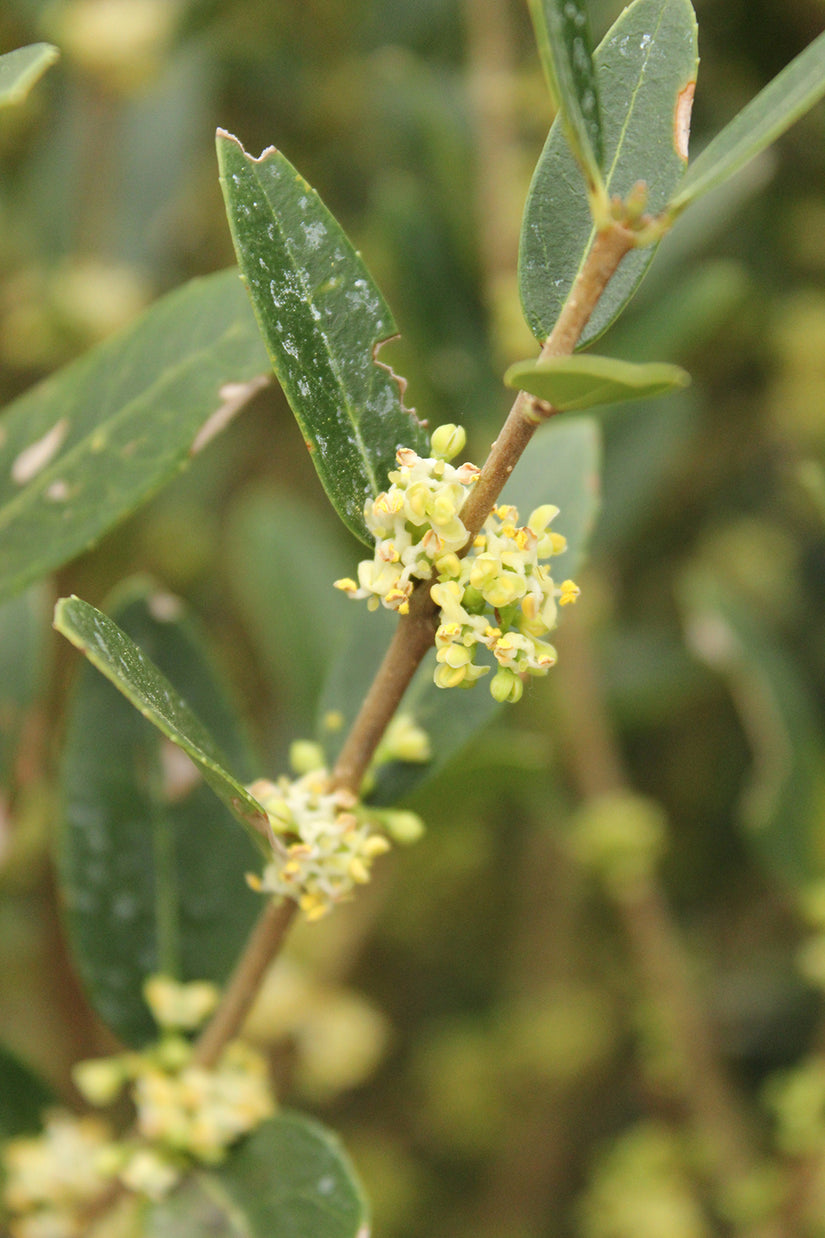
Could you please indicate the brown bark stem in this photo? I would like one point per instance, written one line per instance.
(415, 633)
(262, 947)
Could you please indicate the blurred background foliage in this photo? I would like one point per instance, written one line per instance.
(514, 1028)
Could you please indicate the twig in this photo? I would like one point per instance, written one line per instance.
(263, 945)
(416, 631)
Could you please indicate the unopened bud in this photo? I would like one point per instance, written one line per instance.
(506, 686)
(306, 756)
(447, 441)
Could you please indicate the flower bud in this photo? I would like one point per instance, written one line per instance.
(506, 686)
(403, 827)
(99, 1080)
(305, 756)
(447, 441)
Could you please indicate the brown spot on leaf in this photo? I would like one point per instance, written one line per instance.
(681, 120)
(234, 397)
(34, 458)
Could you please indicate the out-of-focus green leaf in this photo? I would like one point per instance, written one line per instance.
(699, 304)
(563, 37)
(151, 865)
(140, 681)
(290, 1179)
(574, 383)
(323, 319)
(282, 563)
(792, 92)
(83, 449)
(20, 69)
(781, 807)
(24, 641)
(561, 467)
(643, 453)
(23, 1097)
(645, 67)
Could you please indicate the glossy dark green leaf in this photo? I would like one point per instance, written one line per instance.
(23, 1097)
(151, 864)
(794, 91)
(323, 319)
(563, 37)
(781, 802)
(584, 381)
(83, 449)
(561, 466)
(20, 69)
(25, 638)
(646, 68)
(290, 1179)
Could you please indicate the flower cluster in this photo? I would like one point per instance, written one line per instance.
(185, 1114)
(502, 598)
(499, 595)
(53, 1178)
(324, 841)
(415, 522)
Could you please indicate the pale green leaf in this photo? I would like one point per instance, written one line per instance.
(792, 92)
(84, 448)
(584, 381)
(323, 320)
(20, 69)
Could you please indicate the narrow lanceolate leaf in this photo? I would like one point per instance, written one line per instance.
(646, 71)
(83, 449)
(584, 381)
(140, 681)
(323, 320)
(151, 866)
(563, 38)
(792, 92)
(290, 1179)
(20, 69)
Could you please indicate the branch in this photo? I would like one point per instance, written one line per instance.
(416, 631)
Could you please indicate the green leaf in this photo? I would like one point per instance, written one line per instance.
(24, 643)
(278, 573)
(781, 804)
(561, 467)
(575, 383)
(140, 681)
(23, 1097)
(645, 68)
(20, 69)
(792, 92)
(290, 1179)
(323, 319)
(563, 37)
(151, 865)
(83, 449)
